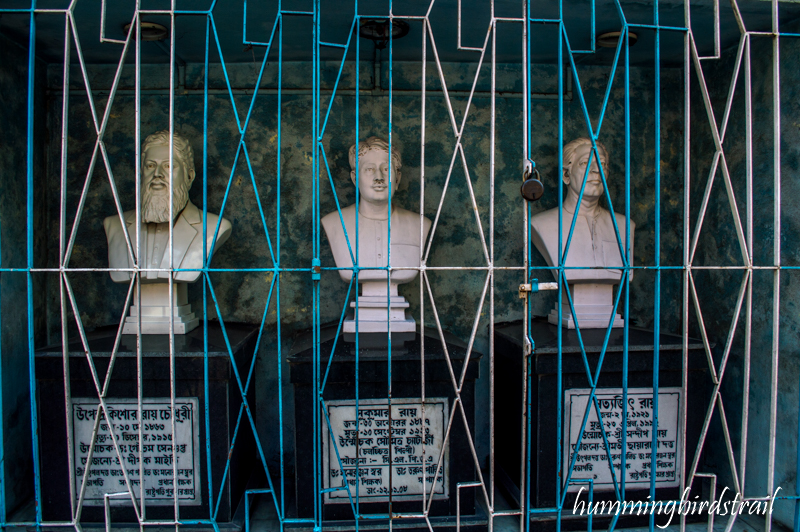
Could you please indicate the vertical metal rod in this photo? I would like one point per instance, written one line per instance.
(422, 241)
(389, 271)
(492, 163)
(657, 258)
(357, 262)
(138, 164)
(171, 285)
(62, 247)
(277, 265)
(561, 277)
(748, 99)
(776, 251)
(423, 109)
(29, 204)
(626, 318)
(206, 375)
(316, 399)
(686, 257)
(527, 344)
(527, 381)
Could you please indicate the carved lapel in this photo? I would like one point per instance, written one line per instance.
(182, 236)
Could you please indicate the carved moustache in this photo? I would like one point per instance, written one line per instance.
(158, 181)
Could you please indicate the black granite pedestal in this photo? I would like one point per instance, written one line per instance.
(544, 474)
(373, 383)
(224, 401)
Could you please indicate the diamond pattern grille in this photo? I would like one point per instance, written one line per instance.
(321, 175)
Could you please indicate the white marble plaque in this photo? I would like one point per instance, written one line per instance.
(156, 454)
(383, 450)
(592, 460)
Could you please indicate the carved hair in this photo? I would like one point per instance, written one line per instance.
(572, 147)
(375, 143)
(181, 146)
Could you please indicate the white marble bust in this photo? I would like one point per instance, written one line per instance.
(594, 242)
(372, 179)
(187, 236)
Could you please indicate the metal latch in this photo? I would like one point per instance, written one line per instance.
(316, 267)
(527, 347)
(535, 286)
(524, 289)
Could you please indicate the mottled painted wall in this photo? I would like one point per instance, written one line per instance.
(718, 245)
(17, 461)
(456, 243)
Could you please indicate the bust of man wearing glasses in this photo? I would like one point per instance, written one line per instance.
(378, 304)
(594, 243)
(187, 232)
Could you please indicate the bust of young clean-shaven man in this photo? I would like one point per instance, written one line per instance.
(187, 236)
(375, 173)
(594, 245)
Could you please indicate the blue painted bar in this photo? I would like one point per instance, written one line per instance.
(31, 347)
(561, 277)
(657, 309)
(281, 511)
(210, 488)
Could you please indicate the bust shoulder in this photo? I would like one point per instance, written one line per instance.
(118, 255)
(194, 216)
(548, 220)
(111, 224)
(331, 223)
(225, 226)
(411, 218)
(620, 218)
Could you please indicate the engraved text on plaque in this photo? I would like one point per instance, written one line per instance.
(385, 450)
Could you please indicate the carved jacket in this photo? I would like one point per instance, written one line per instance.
(373, 242)
(187, 239)
(594, 244)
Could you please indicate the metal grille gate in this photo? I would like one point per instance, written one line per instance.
(525, 23)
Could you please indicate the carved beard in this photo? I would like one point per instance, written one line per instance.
(155, 204)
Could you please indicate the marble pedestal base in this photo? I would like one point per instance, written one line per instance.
(557, 368)
(406, 371)
(376, 309)
(157, 310)
(234, 468)
(593, 302)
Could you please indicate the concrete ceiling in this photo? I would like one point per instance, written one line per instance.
(337, 17)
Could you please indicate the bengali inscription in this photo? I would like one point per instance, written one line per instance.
(168, 462)
(591, 455)
(385, 450)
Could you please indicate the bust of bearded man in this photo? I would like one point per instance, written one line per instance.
(187, 230)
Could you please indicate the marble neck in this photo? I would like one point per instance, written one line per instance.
(590, 205)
